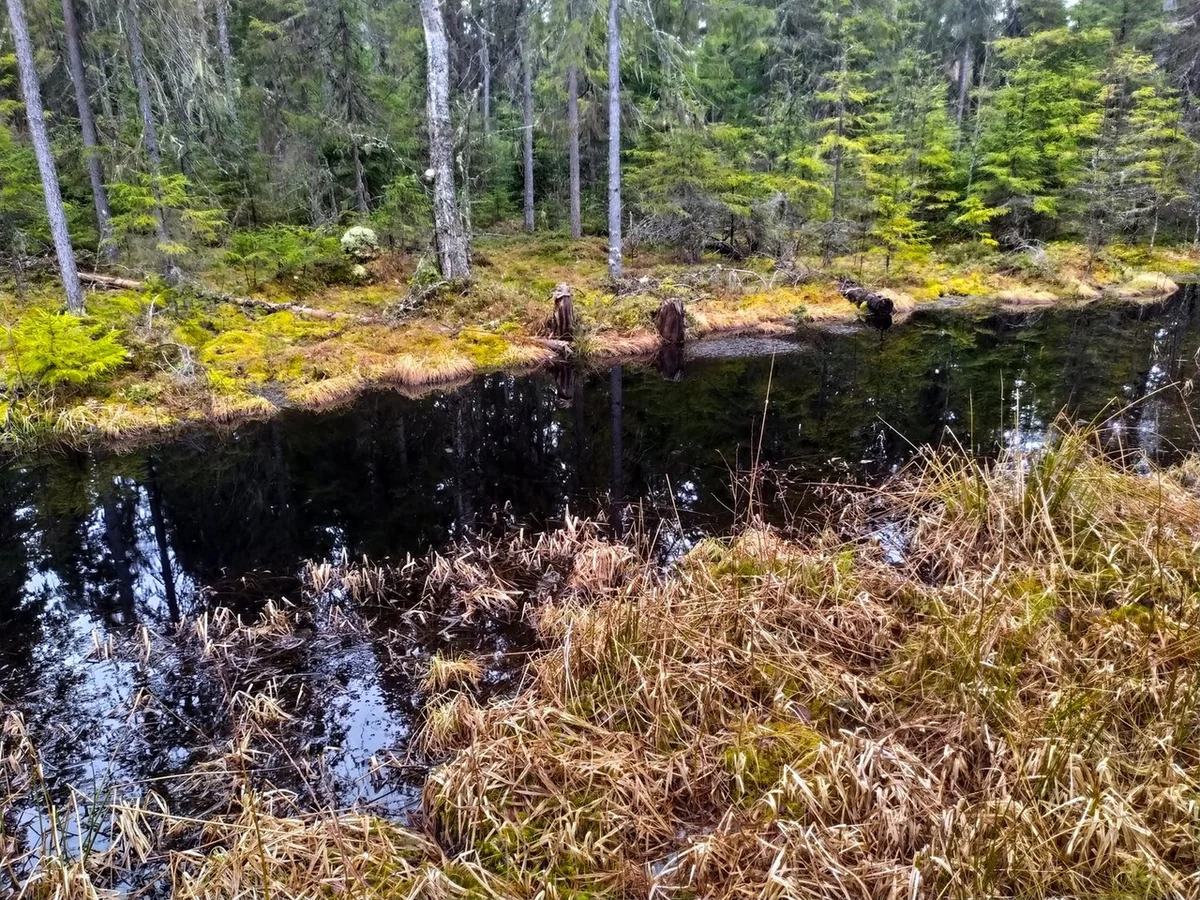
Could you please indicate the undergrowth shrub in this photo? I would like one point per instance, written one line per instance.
(51, 350)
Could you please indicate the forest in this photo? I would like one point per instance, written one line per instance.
(278, 201)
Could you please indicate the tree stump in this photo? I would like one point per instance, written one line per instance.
(670, 321)
(876, 304)
(562, 322)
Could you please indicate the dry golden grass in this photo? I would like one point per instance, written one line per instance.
(1008, 712)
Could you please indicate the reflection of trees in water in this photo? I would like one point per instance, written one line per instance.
(118, 539)
(392, 475)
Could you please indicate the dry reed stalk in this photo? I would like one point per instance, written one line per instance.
(1008, 711)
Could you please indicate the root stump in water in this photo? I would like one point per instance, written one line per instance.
(670, 321)
(562, 322)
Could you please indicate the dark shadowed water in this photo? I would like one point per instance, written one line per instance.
(91, 545)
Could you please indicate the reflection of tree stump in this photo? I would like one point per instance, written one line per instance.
(670, 361)
(876, 304)
(562, 323)
(670, 321)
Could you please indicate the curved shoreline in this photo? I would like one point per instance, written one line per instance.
(118, 427)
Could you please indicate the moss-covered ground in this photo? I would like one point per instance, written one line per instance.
(190, 359)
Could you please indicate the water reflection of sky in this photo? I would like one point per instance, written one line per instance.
(91, 546)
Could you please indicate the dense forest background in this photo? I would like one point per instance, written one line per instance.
(749, 126)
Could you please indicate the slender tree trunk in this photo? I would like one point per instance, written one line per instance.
(527, 117)
(964, 83)
(87, 126)
(573, 148)
(451, 241)
(45, 158)
(615, 261)
(360, 185)
(226, 49)
(485, 64)
(137, 61)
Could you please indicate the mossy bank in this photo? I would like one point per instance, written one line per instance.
(145, 362)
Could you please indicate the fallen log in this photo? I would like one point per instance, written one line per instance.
(876, 304)
(111, 282)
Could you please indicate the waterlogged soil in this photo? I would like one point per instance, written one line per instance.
(91, 547)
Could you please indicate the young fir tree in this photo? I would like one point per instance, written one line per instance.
(1035, 131)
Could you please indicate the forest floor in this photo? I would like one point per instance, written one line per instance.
(194, 359)
(1005, 708)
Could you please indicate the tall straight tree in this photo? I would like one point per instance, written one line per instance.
(87, 125)
(447, 223)
(615, 261)
(45, 159)
(526, 111)
(573, 126)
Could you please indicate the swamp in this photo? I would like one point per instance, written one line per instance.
(624, 450)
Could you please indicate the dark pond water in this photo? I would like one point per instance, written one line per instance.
(91, 545)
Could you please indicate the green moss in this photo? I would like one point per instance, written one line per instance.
(759, 753)
(487, 351)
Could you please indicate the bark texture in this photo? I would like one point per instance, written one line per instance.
(87, 128)
(451, 241)
(615, 260)
(45, 159)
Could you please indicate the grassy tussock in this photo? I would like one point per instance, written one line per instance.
(1011, 711)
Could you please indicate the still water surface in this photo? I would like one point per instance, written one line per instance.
(91, 545)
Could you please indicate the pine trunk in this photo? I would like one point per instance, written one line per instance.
(45, 158)
(527, 120)
(451, 241)
(615, 262)
(87, 127)
(573, 148)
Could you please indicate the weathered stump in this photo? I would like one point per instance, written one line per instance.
(562, 322)
(875, 303)
(670, 321)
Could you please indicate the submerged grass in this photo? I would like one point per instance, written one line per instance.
(1011, 711)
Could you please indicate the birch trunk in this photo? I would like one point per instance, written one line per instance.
(87, 126)
(41, 147)
(451, 241)
(527, 118)
(615, 262)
